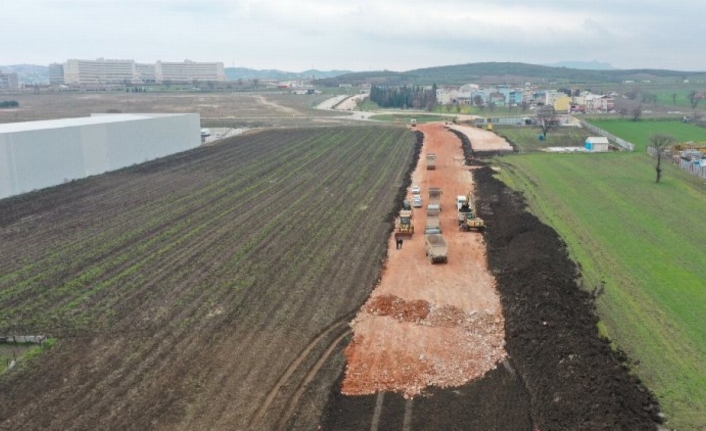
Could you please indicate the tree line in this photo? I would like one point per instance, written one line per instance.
(9, 104)
(403, 97)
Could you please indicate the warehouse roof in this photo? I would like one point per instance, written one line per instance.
(75, 122)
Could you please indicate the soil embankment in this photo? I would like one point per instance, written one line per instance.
(573, 377)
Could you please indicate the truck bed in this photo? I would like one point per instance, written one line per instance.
(435, 248)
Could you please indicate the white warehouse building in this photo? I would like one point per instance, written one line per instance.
(39, 154)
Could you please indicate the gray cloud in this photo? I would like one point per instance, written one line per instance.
(356, 34)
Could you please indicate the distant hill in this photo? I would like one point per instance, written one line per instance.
(480, 73)
(235, 73)
(507, 73)
(582, 65)
(34, 74)
(28, 73)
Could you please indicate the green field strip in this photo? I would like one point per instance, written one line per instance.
(638, 132)
(629, 232)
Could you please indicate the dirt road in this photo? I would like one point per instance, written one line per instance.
(429, 325)
(482, 140)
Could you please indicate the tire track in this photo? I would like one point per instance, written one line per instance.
(378, 410)
(295, 365)
(313, 371)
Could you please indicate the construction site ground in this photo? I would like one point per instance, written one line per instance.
(429, 324)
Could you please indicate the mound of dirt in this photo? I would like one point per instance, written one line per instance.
(574, 379)
(397, 308)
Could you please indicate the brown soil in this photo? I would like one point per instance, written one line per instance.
(429, 325)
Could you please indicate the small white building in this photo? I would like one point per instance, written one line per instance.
(38, 154)
(597, 144)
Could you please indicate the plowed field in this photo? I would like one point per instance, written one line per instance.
(199, 291)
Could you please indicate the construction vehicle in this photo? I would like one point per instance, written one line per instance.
(434, 198)
(467, 216)
(431, 161)
(413, 122)
(404, 225)
(489, 125)
(433, 222)
(435, 248)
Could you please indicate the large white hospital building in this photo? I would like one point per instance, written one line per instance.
(105, 71)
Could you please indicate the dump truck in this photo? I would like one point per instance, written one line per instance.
(434, 198)
(404, 226)
(431, 161)
(467, 217)
(433, 224)
(435, 248)
(461, 201)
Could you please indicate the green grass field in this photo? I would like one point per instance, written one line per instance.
(404, 118)
(526, 138)
(646, 241)
(638, 132)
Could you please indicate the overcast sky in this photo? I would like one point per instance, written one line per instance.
(360, 35)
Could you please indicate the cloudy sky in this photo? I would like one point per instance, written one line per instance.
(359, 35)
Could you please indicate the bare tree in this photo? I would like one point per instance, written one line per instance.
(649, 98)
(547, 119)
(674, 99)
(478, 100)
(633, 92)
(660, 142)
(491, 106)
(694, 99)
(524, 106)
(636, 112)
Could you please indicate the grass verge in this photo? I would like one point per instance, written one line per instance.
(644, 242)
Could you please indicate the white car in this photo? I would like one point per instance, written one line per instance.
(417, 203)
(416, 189)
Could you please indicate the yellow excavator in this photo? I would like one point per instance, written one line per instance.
(468, 217)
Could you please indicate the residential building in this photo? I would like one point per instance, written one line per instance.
(56, 74)
(599, 103)
(9, 80)
(99, 72)
(146, 73)
(562, 103)
(112, 72)
(189, 71)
